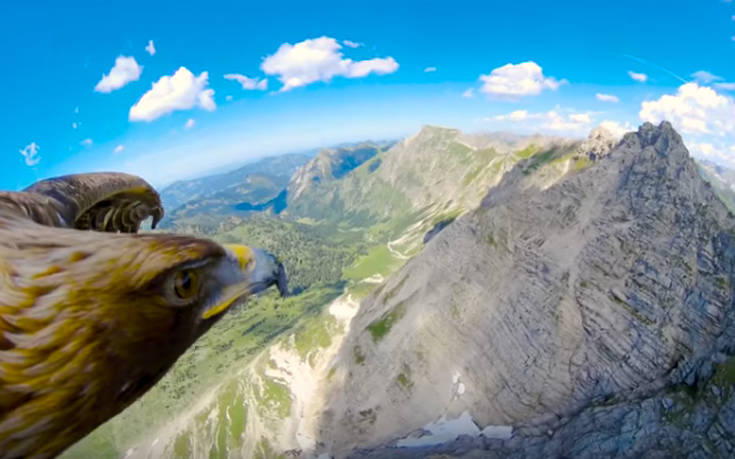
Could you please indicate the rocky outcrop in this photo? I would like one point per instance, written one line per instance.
(572, 313)
(598, 144)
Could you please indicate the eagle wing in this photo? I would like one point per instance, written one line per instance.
(105, 201)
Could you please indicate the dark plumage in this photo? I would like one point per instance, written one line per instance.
(90, 320)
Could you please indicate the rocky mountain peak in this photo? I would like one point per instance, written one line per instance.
(431, 137)
(615, 282)
(662, 138)
(329, 164)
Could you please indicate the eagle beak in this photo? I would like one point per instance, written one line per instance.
(262, 268)
(256, 271)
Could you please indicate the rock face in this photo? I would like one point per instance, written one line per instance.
(557, 311)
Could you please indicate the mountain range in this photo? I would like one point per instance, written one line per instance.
(486, 295)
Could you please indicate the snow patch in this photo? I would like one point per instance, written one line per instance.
(459, 385)
(305, 441)
(443, 431)
(497, 432)
(446, 430)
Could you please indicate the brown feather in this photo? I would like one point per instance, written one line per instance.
(86, 326)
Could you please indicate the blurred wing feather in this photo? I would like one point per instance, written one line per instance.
(107, 201)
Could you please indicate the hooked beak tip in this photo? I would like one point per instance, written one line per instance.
(257, 271)
(263, 269)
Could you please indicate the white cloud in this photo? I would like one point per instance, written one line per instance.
(181, 91)
(30, 153)
(74, 125)
(581, 118)
(640, 77)
(319, 59)
(705, 77)
(189, 123)
(150, 48)
(228, 97)
(693, 109)
(553, 120)
(704, 148)
(430, 69)
(377, 65)
(572, 123)
(123, 72)
(119, 149)
(518, 115)
(713, 151)
(517, 80)
(76, 110)
(248, 83)
(607, 98)
(86, 142)
(617, 129)
(351, 44)
(469, 94)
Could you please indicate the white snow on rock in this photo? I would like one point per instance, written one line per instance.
(443, 431)
(497, 432)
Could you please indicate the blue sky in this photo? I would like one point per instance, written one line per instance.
(345, 71)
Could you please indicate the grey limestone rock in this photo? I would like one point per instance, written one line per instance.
(591, 308)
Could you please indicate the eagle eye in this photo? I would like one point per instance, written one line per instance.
(186, 284)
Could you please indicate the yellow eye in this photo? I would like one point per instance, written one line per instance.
(186, 284)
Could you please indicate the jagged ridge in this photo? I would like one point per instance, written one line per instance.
(614, 283)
